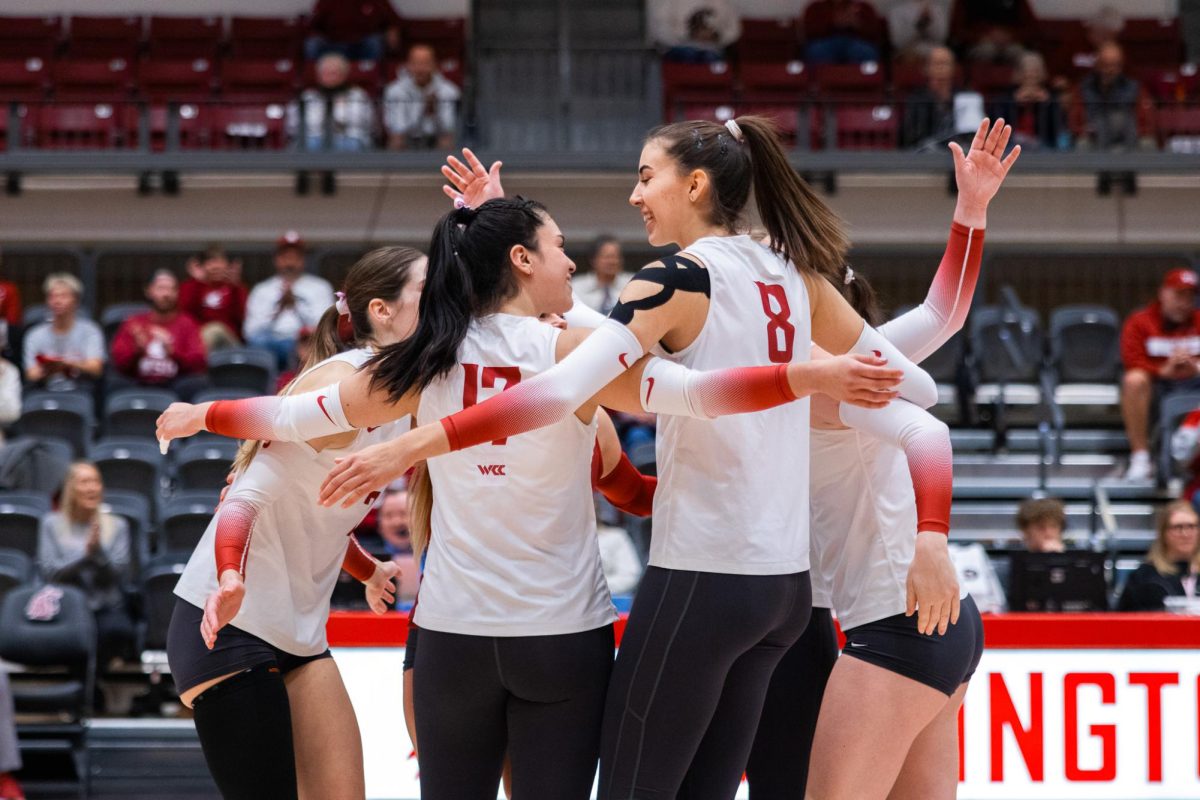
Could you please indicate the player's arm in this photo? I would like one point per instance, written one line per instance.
(615, 476)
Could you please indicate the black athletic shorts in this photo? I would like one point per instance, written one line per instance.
(192, 663)
(410, 646)
(941, 662)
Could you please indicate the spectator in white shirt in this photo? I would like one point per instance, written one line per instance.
(10, 393)
(65, 352)
(279, 307)
(693, 30)
(601, 287)
(337, 116)
(421, 105)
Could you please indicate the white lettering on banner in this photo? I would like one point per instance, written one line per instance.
(1037, 724)
(1164, 346)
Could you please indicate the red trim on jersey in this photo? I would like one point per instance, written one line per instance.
(358, 563)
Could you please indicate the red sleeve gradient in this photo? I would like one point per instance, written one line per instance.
(235, 523)
(358, 563)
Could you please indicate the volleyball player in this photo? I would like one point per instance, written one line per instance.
(500, 576)
(881, 511)
(246, 642)
(733, 561)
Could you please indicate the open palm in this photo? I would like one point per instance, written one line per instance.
(980, 171)
(470, 183)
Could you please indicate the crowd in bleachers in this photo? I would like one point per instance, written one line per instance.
(842, 75)
(249, 83)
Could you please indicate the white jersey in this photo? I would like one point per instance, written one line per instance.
(864, 526)
(296, 546)
(513, 549)
(733, 492)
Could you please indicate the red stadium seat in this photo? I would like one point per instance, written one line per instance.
(23, 79)
(780, 79)
(787, 116)
(104, 37)
(80, 126)
(186, 37)
(254, 80)
(768, 40)
(840, 81)
(1179, 121)
(447, 35)
(866, 127)
(94, 80)
(715, 112)
(191, 120)
(27, 37)
(248, 127)
(991, 79)
(1059, 40)
(1152, 41)
(265, 37)
(184, 80)
(710, 84)
(367, 75)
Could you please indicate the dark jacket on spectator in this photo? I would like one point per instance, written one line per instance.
(353, 20)
(1147, 588)
(1111, 110)
(1041, 122)
(926, 116)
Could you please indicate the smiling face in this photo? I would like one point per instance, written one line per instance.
(661, 195)
(1182, 532)
(87, 490)
(545, 273)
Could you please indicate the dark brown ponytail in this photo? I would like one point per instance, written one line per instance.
(860, 294)
(802, 228)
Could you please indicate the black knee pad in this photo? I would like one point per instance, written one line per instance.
(245, 728)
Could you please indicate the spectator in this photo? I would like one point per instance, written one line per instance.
(280, 306)
(1159, 348)
(66, 352)
(1032, 108)
(362, 30)
(421, 105)
(916, 27)
(392, 523)
(1041, 522)
(1110, 101)
(337, 116)
(304, 341)
(601, 287)
(939, 110)
(694, 31)
(160, 347)
(1171, 565)
(10, 396)
(619, 559)
(992, 30)
(10, 313)
(841, 32)
(85, 546)
(214, 300)
(10, 752)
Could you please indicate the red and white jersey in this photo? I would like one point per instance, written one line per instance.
(733, 492)
(513, 550)
(296, 546)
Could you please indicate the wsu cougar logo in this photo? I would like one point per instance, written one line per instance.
(492, 469)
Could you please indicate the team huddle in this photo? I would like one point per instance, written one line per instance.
(800, 477)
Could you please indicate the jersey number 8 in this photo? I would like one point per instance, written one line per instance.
(781, 333)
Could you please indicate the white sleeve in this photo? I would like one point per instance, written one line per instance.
(581, 315)
(916, 386)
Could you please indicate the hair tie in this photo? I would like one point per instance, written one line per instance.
(460, 203)
(735, 130)
(849, 275)
(343, 308)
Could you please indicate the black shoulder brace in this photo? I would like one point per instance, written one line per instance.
(673, 272)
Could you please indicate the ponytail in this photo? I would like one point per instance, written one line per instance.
(803, 229)
(420, 508)
(860, 294)
(747, 155)
(469, 275)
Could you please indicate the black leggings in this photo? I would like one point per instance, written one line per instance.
(540, 698)
(778, 767)
(690, 679)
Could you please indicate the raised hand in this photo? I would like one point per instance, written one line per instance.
(180, 421)
(980, 171)
(470, 182)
